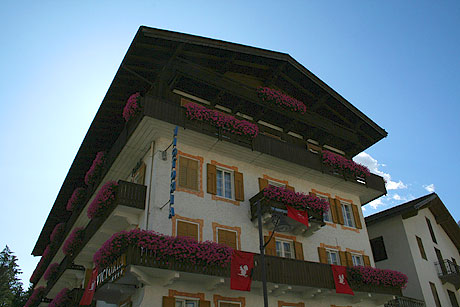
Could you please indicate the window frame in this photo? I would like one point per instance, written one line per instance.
(232, 182)
(228, 302)
(283, 251)
(328, 213)
(182, 156)
(378, 249)
(357, 256)
(276, 183)
(330, 251)
(346, 220)
(189, 222)
(185, 299)
(229, 230)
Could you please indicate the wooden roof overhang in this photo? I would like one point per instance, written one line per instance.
(223, 73)
(411, 208)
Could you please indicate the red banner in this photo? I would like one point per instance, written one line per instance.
(241, 270)
(340, 279)
(299, 216)
(87, 297)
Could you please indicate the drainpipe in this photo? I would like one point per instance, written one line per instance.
(150, 187)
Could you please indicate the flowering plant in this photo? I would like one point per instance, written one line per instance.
(95, 168)
(343, 164)
(62, 299)
(41, 266)
(132, 106)
(297, 200)
(164, 248)
(56, 235)
(36, 297)
(221, 120)
(103, 200)
(78, 196)
(278, 98)
(377, 277)
(51, 272)
(74, 241)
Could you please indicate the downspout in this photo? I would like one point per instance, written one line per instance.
(147, 209)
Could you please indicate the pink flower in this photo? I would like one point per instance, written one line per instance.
(132, 106)
(220, 120)
(343, 164)
(36, 297)
(62, 299)
(377, 277)
(74, 241)
(77, 198)
(51, 272)
(297, 200)
(280, 99)
(95, 169)
(41, 265)
(103, 200)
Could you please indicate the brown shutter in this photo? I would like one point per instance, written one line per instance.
(312, 194)
(333, 206)
(192, 174)
(185, 229)
(343, 258)
(169, 301)
(288, 187)
(211, 179)
(349, 259)
(204, 304)
(338, 206)
(141, 174)
(356, 216)
(322, 255)
(88, 273)
(367, 260)
(183, 167)
(239, 186)
(227, 237)
(270, 249)
(298, 250)
(263, 183)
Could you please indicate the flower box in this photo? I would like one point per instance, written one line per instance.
(225, 123)
(297, 200)
(74, 241)
(360, 275)
(341, 165)
(42, 265)
(56, 235)
(36, 297)
(277, 98)
(76, 200)
(133, 106)
(104, 199)
(96, 168)
(51, 272)
(62, 299)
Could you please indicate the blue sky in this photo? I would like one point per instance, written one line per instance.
(397, 61)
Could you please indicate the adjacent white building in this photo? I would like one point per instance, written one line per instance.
(421, 239)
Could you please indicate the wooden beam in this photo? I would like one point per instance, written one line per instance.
(248, 93)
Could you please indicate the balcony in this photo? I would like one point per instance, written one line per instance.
(268, 207)
(303, 278)
(405, 302)
(448, 271)
(129, 204)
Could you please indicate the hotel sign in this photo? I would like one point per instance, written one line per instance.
(113, 272)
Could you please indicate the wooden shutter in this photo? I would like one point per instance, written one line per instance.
(298, 250)
(349, 259)
(367, 260)
(227, 237)
(239, 186)
(185, 229)
(333, 210)
(139, 177)
(338, 206)
(222, 304)
(169, 301)
(183, 167)
(211, 179)
(270, 249)
(343, 258)
(322, 255)
(263, 183)
(204, 304)
(88, 273)
(192, 175)
(421, 248)
(356, 216)
(288, 187)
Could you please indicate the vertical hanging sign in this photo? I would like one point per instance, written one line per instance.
(173, 174)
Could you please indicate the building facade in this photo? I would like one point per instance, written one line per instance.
(421, 239)
(218, 169)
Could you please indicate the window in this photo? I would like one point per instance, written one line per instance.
(453, 298)
(187, 229)
(181, 302)
(357, 260)
(228, 304)
(421, 248)
(430, 228)
(332, 257)
(347, 215)
(378, 249)
(284, 248)
(188, 173)
(326, 215)
(227, 237)
(276, 184)
(435, 294)
(224, 183)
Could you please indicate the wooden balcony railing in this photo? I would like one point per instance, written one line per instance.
(128, 194)
(279, 270)
(269, 206)
(405, 302)
(448, 271)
